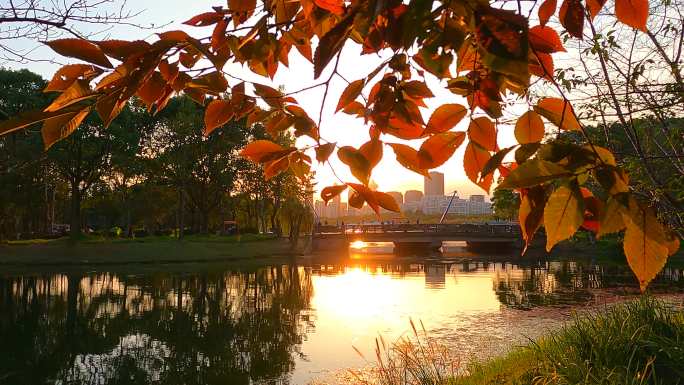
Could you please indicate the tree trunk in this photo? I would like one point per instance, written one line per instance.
(181, 217)
(75, 230)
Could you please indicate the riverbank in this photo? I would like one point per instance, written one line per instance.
(149, 250)
(635, 342)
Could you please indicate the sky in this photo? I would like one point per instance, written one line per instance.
(340, 128)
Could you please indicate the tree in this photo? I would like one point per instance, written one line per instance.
(499, 60)
(24, 21)
(505, 204)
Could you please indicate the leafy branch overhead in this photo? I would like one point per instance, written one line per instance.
(483, 54)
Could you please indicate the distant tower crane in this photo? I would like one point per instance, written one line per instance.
(448, 207)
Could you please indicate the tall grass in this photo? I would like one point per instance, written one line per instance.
(412, 360)
(636, 343)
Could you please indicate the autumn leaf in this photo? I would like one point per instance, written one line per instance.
(59, 127)
(571, 16)
(408, 157)
(529, 128)
(275, 167)
(437, 149)
(594, 7)
(204, 19)
(350, 93)
(531, 212)
(545, 39)
(533, 172)
(482, 131)
(372, 151)
(444, 118)
(610, 218)
(67, 75)
(644, 244)
(495, 162)
(387, 202)
(29, 118)
(331, 192)
(563, 214)
(217, 113)
(261, 151)
(633, 13)
(367, 195)
(324, 151)
(80, 49)
(358, 164)
(334, 6)
(474, 161)
(546, 10)
(558, 112)
(331, 43)
(78, 91)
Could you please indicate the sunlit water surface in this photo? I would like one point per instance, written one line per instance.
(286, 324)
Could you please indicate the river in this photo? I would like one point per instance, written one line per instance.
(284, 324)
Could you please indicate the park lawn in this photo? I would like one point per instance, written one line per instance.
(96, 250)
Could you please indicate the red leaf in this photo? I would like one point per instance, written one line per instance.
(571, 16)
(594, 7)
(546, 10)
(334, 6)
(483, 132)
(632, 12)
(545, 39)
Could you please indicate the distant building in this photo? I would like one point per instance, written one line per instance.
(434, 185)
(333, 210)
(413, 196)
(475, 205)
(477, 198)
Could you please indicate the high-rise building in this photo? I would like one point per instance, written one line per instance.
(434, 185)
(413, 196)
(477, 198)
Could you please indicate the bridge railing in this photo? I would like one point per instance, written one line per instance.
(447, 228)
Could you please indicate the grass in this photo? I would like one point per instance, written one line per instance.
(91, 250)
(640, 342)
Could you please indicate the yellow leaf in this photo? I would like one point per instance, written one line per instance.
(563, 215)
(645, 245)
(610, 219)
(529, 128)
(533, 172)
(558, 112)
(76, 92)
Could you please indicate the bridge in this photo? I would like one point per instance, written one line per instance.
(412, 236)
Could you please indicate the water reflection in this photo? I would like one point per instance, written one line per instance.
(274, 325)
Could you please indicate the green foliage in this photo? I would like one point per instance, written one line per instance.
(640, 342)
(505, 204)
